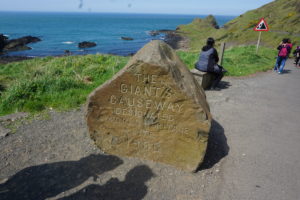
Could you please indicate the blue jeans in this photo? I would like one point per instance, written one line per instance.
(280, 63)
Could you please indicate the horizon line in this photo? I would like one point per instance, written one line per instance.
(91, 12)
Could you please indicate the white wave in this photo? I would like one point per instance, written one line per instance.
(6, 35)
(68, 42)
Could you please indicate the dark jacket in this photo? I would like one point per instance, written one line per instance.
(208, 59)
(296, 51)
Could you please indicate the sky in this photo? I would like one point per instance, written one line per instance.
(204, 7)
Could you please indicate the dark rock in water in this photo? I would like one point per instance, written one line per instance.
(165, 31)
(4, 36)
(154, 33)
(67, 52)
(3, 41)
(157, 32)
(126, 38)
(19, 48)
(20, 43)
(30, 39)
(86, 44)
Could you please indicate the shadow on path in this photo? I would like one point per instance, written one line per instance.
(48, 180)
(217, 147)
(224, 85)
(133, 187)
(286, 71)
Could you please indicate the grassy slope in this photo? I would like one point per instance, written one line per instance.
(239, 61)
(198, 31)
(60, 83)
(281, 15)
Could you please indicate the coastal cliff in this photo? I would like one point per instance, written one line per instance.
(282, 17)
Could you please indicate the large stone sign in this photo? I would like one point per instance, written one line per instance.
(152, 109)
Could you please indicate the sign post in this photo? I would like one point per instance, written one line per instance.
(258, 42)
(222, 49)
(261, 26)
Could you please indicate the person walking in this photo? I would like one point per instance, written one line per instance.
(284, 50)
(208, 60)
(297, 56)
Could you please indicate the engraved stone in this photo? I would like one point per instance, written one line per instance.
(152, 109)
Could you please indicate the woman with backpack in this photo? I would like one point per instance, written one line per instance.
(284, 50)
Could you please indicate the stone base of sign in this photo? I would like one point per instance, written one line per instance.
(152, 109)
(205, 79)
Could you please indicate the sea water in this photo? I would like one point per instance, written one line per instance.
(63, 31)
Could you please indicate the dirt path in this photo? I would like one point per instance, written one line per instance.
(260, 116)
(252, 153)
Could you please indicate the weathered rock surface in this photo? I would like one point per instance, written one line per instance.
(86, 44)
(3, 40)
(157, 32)
(19, 44)
(152, 109)
(127, 38)
(154, 33)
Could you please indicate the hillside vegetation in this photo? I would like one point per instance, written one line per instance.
(64, 82)
(239, 61)
(53, 82)
(282, 16)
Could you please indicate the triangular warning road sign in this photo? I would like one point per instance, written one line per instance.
(261, 26)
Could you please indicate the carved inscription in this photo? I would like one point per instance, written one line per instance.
(151, 109)
(144, 104)
(147, 101)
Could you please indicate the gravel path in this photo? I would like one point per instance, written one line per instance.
(252, 152)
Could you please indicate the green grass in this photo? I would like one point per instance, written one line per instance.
(282, 17)
(239, 61)
(189, 58)
(243, 61)
(59, 83)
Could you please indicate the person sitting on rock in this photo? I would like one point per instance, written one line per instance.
(208, 60)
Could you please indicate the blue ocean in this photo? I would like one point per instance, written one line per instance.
(63, 31)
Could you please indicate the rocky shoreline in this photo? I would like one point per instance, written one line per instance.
(18, 44)
(177, 41)
(172, 37)
(9, 59)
